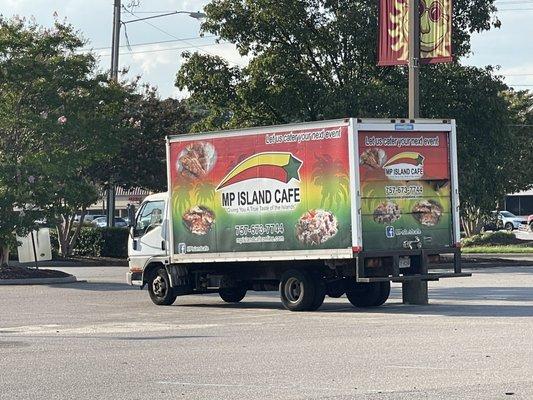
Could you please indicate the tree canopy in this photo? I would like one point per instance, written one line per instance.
(60, 119)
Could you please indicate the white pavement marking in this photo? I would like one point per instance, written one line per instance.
(236, 385)
(124, 327)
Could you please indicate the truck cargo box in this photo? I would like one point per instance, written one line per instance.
(321, 190)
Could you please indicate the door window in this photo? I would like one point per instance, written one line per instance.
(149, 217)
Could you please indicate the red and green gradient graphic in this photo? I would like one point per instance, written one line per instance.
(261, 192)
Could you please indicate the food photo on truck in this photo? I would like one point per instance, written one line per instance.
(313, 209)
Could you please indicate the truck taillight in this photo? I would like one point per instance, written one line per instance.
(457, 245)
(357, 249)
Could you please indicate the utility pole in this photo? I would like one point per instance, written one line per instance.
(416, 291)
(115, 45)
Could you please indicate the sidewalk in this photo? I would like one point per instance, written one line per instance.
(78, 262)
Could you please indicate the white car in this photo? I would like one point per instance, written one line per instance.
(102, 222)
(510, 221)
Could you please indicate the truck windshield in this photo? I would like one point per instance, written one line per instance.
(150, 216)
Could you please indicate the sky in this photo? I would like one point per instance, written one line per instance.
(510, 47)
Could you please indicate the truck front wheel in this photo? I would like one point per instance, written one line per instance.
(371, 294)
(232, 295)
(160, 290)
(301, 290)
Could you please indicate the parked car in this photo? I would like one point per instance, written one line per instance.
(102, 222)
(505, 220)
(88, 218)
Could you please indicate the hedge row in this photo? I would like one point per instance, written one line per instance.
(499, 238)
(97, 242)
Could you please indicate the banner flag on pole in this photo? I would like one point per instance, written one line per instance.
(435, 31)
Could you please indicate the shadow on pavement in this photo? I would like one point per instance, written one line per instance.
(459, 309)
(452, 310)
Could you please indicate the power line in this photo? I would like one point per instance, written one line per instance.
(154, 12)
(151, 43)
(175, 37)
(160, 30)
(515, 9)
(165, 49)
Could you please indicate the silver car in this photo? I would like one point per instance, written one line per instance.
(101, 222)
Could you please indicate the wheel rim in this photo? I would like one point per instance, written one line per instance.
(159, 286)
(294, 290)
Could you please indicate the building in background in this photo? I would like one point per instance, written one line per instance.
(123, 197)
(520, 203)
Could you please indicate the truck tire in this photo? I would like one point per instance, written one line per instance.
(161, 293)
(509, 227)
(371, 294)
(232, 295)
(299, 291)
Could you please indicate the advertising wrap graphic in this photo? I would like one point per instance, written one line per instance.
(435, 31)
(261, 192)
(405, 189)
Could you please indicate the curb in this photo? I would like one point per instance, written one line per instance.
(38, 281)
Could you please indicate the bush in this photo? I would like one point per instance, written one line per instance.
(96, 242)
(102, 242)
(500, 238)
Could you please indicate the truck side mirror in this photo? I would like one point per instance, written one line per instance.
(131, 215)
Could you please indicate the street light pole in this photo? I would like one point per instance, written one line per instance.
(416, 291)
(115, 45)
(414, 59)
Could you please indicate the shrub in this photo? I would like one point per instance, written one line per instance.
(500, 238)
(114, 242)
(102, 242)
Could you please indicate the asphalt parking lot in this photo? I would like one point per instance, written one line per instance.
(105, 340)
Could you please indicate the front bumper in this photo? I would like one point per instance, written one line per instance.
(134, 278)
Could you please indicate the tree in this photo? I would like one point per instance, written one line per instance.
(141, 161)
(493, 155)
(318, 61)
(59, 121)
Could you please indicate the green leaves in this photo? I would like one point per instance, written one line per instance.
(60, 123)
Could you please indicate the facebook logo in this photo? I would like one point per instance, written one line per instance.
(389, 231)
(182, 248)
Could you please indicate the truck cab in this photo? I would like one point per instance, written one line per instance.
(148, 242)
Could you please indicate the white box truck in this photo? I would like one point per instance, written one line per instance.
(313, 209)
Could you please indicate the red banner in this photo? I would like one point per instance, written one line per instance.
(435, 31)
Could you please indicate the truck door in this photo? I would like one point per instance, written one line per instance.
(150, 234)
(405, 190)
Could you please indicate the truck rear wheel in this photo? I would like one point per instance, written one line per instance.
(232, 295)
(301, 291)
(160, 290)
(371, 294)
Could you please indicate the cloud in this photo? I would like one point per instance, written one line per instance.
(152, 58)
